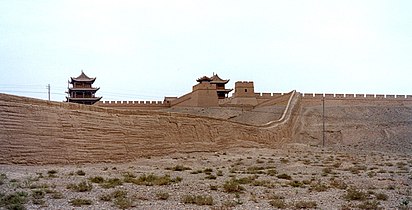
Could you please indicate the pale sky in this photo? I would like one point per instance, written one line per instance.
(145, 50)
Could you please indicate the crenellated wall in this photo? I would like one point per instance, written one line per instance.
(143, 105)
(204, 95)
(355, 99)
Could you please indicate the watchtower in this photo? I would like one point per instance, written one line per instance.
(82, 91)
(244, 89)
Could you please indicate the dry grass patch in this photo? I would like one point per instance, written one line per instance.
(178, 168)
(80, 187)
(305, 204)
(278, 203)
(355, 194)
(198, 199)
(14, 200)
(232, 186)
(151, 179)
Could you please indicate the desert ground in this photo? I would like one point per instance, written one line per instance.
(293, 176)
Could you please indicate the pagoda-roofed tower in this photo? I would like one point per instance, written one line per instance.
(222, 92)
(220, 83)
(82, 91)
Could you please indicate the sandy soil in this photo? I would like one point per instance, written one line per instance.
(321, 178)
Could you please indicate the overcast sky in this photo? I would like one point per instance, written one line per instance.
(145, 50)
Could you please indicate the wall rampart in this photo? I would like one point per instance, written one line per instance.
(309, 96)
(132, 103)
(149, 105)
(268, 95)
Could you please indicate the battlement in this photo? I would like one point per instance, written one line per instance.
(134, 104)
(268, 95)
(130, 102)
(243, 82)
(331, 96)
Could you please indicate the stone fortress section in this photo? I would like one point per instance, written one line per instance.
(35, 131)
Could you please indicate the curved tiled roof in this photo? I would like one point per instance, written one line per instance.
(216, 79)
(83, 78)
(204, 78)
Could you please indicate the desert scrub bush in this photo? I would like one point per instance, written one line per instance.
(232, 186)
(296, 183)
(259, 161)
(38, 186)
(219, 173)
(196, 172)
(56, 195)
(123, 202)
(162, 195)
(247, 180)
(81, 187)
(271, 172)
(38, 194)
(105, 197)
(382, 196)
(278, 203)
(338, 184)
(198, 199)
(14, 201)
(178, 168)
(80, 202)
(305, 204)
(210, 176)
(369, 205)
(357, 169)
(213, 187)
(52, 173)
(318, 187)
(111, 183)
(371, 174)
(326, 171)
(151, 179)
(38, 201)
(119, 193)
(97, 179)
(2, 178)
(337, 164)
(284, 176)
(404, 204)
(207, 170)
(80, 173)
(354, 194)
(255, 170)
(284, 161)
(263, 183)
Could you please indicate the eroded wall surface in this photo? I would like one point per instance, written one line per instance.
(40, 132)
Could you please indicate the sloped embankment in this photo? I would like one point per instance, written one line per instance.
(374, 126)
(39, 132)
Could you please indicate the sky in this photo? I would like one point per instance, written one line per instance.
(145, 50)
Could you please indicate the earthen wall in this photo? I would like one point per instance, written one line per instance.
(354, 99)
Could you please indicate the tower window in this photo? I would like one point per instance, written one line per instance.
(245, 90)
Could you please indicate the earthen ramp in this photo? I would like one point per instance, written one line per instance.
(39, 132)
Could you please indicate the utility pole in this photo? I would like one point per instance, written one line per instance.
(48, 88)
(323, 121)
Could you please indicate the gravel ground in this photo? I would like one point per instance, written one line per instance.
(292, 177)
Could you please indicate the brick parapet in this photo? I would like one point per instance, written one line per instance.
(133, 104)
(355, 96)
